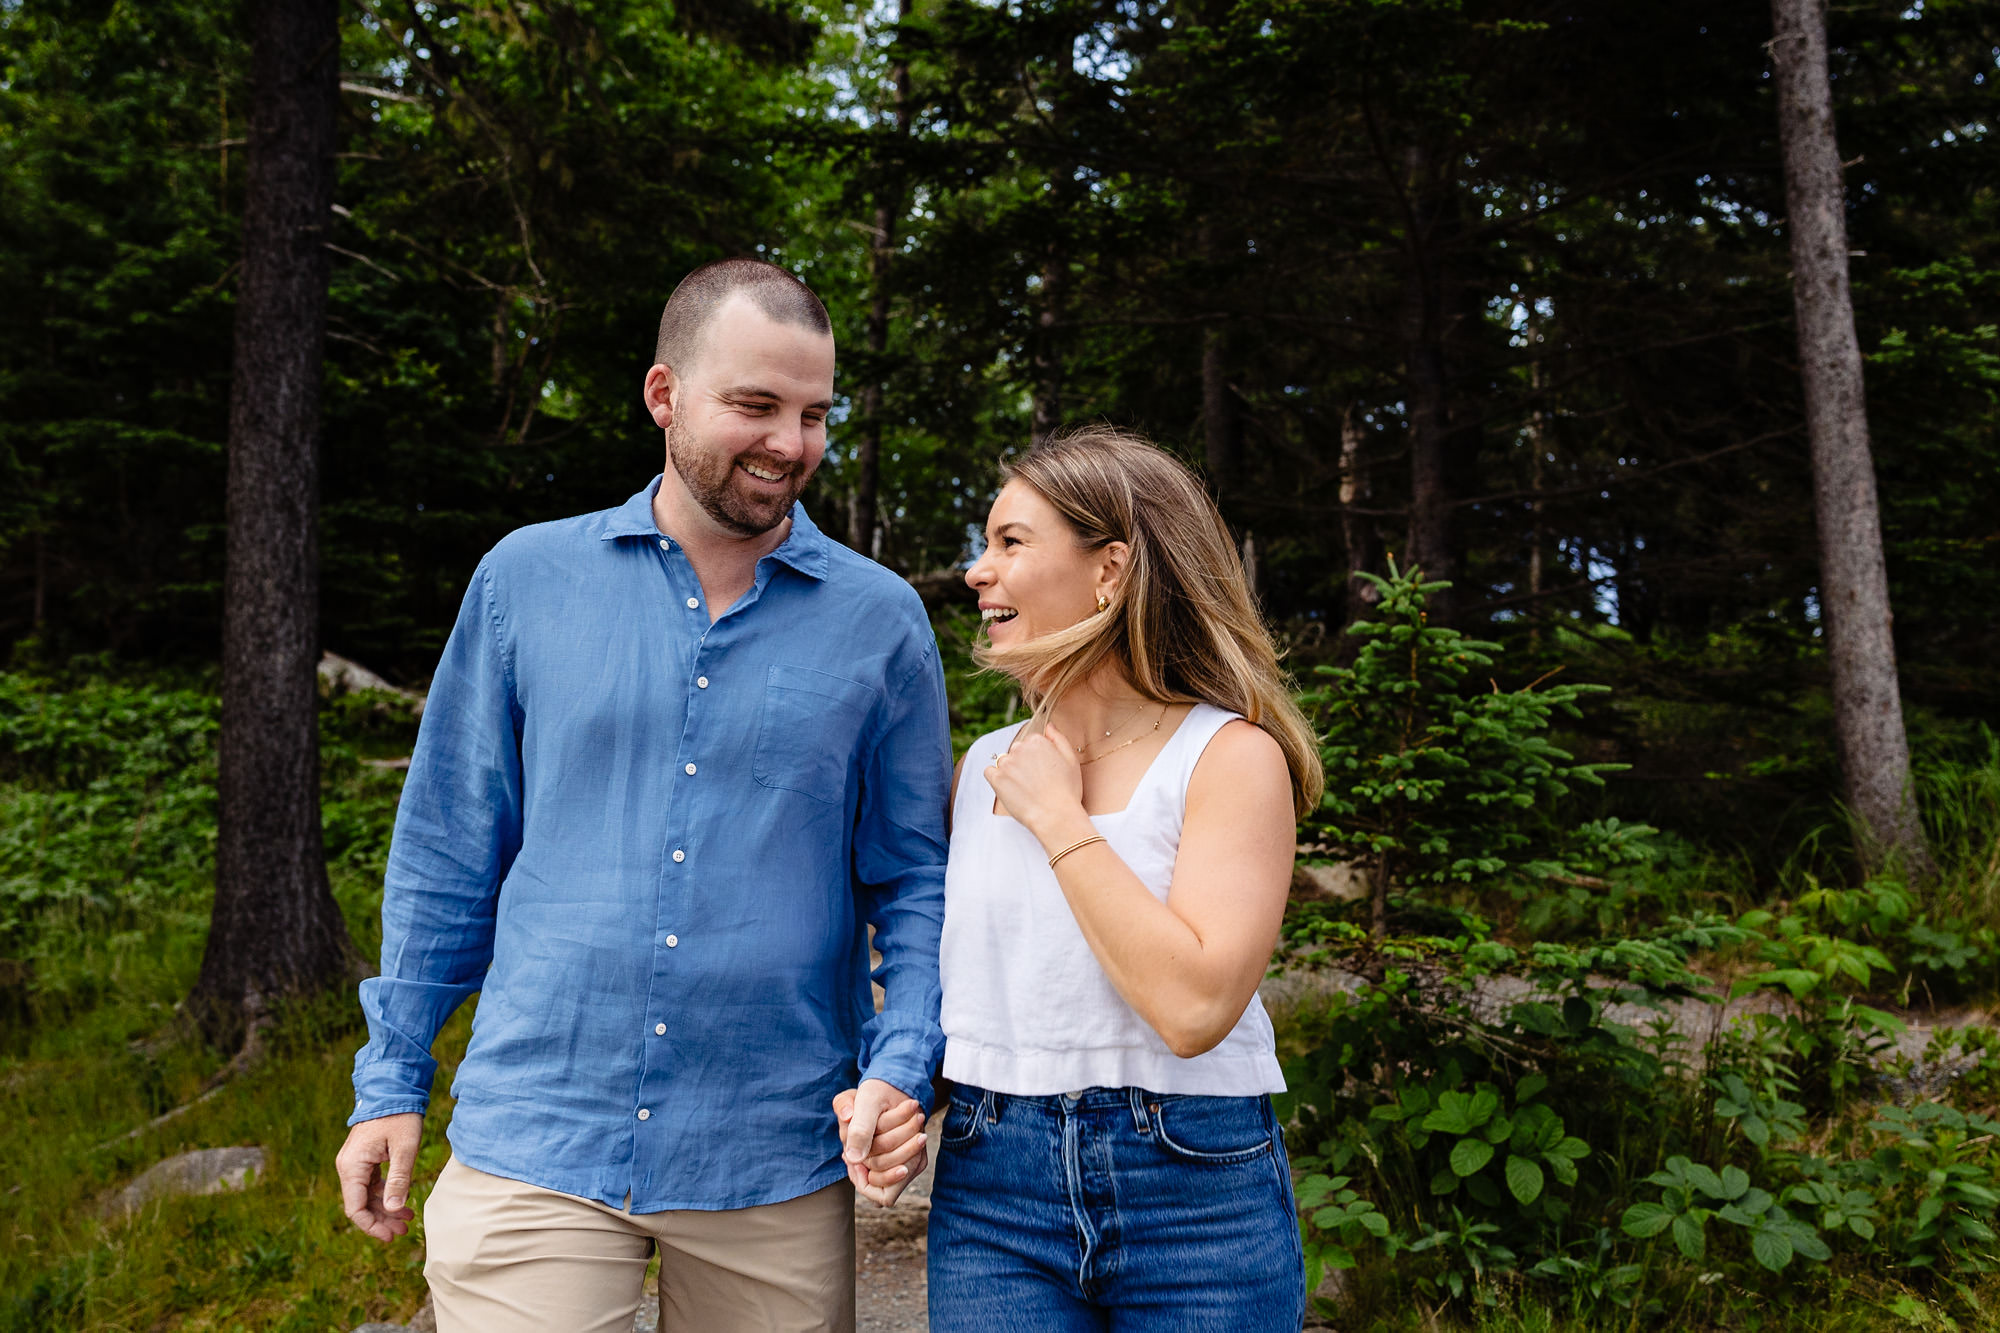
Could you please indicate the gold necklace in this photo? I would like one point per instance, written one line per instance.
(1134, 741)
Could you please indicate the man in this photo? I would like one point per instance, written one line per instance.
(675, 755)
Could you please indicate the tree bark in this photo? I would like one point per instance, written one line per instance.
(1218, 412)
(1429, 545)
(1047, 356)
(1854, 581)
(1364, 548)
(863, 529)
(275, 930)
(1538, 535)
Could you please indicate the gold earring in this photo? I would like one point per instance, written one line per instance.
(1103, 602)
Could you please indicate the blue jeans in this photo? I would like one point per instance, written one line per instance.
(1113, 1209)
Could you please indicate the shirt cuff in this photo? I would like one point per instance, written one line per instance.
(365, 1111)
(905, 1058)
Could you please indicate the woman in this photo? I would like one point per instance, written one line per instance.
(1118, 872)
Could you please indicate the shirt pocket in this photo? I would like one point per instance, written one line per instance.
(810, 730)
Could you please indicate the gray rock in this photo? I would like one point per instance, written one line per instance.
(1340, 881)
(340, 675)
(204, 1171)
(648, 1318)
(381, 1328)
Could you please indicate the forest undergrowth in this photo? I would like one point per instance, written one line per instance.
(1531, 1163)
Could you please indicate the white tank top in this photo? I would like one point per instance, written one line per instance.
(1027, 1009)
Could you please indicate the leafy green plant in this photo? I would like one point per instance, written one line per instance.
(1761, 1112)
(1692, 1195)
(1834, 1037)
(1472, 1255)
(1937, 1174)
(1336, 1219)
(1474, 1131)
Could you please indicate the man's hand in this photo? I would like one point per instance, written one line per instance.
(883, 1136)
(377, 1205)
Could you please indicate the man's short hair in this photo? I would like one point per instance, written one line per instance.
(701, 293)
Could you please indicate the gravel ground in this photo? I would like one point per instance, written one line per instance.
(889, 1286)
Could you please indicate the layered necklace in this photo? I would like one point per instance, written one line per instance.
(1113, 730)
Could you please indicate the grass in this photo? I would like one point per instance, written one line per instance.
(106, 808)
(278, 1256)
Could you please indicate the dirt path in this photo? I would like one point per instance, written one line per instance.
(889, 1256)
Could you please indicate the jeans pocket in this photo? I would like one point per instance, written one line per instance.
(962, 1118)
(1216, 1130)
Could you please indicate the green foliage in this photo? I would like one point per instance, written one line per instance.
(1432, 779)
(107, 827)
(1502, 1116)
(107, 801)
(1692, 1195)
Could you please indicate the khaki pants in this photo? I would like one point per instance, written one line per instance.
(504, 1257)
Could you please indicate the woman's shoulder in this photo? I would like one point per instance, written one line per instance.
(1233, 747)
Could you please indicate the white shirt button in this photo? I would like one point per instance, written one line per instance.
(680, 855)
(673, 941)
(644, 1114)
(690, 770)
(666, 545)
(693, 602)
(702, 681)
(659, 1029)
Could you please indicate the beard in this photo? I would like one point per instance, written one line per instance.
(713, 479)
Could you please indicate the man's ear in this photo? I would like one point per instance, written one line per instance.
(661, 385)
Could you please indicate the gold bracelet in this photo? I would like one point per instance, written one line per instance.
(1081, 842)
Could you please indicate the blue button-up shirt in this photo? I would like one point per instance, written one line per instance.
(651, 843)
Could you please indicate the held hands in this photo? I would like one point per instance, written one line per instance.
(1040, 783)
(378, 1205)
(882, 1133)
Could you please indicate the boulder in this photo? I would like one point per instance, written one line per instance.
(1341, 881)
(340, 675)
(204, 1171)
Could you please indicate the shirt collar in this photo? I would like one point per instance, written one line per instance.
(804, 548)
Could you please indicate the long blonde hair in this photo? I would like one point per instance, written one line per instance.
(1181, 624)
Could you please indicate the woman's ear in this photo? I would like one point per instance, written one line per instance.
(1111, 568)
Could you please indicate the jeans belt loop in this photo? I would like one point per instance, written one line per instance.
(1139, 1122)
(989, 1106)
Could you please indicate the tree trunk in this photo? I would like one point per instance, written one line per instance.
(863, 530)
(1854, 581)
(275, 930)
(1538, 535)
(1429, 545)
(1364, 548)
(1218, 412)
(1047, 357)
(861, 512)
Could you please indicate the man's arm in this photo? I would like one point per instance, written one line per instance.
(458, 828)
(899, 855)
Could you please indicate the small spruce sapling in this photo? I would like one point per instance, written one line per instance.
(1432, 769)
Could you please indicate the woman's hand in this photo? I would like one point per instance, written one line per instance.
(1040, 783)
(891, 1147)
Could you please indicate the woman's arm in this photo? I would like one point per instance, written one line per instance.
(1188, 966)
